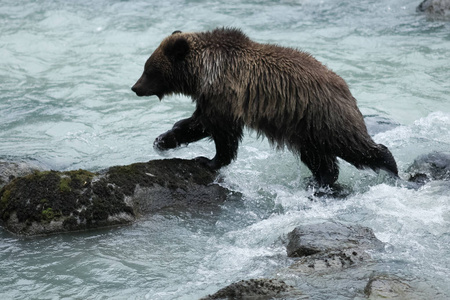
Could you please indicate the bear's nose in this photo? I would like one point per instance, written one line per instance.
(138, 90)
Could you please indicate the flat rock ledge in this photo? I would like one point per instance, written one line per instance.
(48, 202)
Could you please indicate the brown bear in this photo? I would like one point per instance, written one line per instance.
(282, 93)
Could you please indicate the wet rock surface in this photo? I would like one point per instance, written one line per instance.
(323, 253)
(331, 236)
(34, 202)
(435, 8)
(389, 287)
(333, 261)
(259, 289)
(331, 247)
(428, 167)
(47, 202)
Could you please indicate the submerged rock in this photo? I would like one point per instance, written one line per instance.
(259, 289)
(389, 287)
(376, 124)
(432, 166)
(50, 202)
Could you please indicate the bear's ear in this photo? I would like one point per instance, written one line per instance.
(176, 31)
(177, 49)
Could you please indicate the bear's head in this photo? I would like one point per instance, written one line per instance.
(165, 72)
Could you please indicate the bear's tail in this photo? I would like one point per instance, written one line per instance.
(381, 158)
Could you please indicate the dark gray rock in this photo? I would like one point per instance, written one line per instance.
(330, 236)
(256, 289)
(435, 8)
(432, 166)
(329, 247)
(50, 202)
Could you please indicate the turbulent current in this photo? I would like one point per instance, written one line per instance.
(66, 68)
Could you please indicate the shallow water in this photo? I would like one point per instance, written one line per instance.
(66, 69)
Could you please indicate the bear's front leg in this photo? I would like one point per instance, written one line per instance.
(226, 138)
(183, 132)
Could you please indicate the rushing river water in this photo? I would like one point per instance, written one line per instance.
(66, 68)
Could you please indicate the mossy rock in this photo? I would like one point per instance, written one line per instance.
(50, 201)
(34, 203)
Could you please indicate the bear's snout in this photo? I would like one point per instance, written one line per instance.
(138, 90)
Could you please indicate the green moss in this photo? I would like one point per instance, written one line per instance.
(64, 184)
(82, 176)
(68, 181)
(39, 174)
(6, 195)
(75, 180)
(48, 214)
(4, 199)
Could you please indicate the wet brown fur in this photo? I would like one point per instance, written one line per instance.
(282, 93)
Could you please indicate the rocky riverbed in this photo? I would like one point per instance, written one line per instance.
(38, 202)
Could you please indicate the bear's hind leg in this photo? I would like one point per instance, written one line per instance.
(324, 168)
(183, 132)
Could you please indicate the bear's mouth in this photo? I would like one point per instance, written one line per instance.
(141, 93)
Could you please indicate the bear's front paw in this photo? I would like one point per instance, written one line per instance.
(210, 163)
(165, 141)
